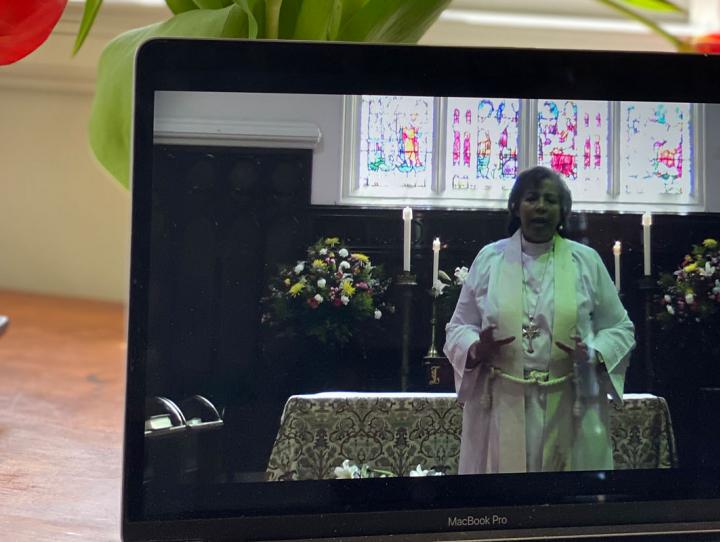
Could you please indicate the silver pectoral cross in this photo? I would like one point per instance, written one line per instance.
(530, 331)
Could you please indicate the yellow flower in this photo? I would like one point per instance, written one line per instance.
(319, 264)
(332, 241)
(710, 243)
(348, 288)
(690, 268)
(296, 288)
(361, 258)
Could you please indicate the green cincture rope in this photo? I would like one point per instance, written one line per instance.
(541, 378)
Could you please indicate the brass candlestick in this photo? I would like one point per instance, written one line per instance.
(432, 351)
(406, 281)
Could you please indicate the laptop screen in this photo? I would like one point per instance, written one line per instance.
(411, 280)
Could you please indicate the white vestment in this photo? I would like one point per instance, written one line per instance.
(601, 321)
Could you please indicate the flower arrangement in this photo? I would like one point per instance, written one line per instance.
(327, 295)
(350, 471)
(691, 294)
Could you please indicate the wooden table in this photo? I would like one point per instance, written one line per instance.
(62, 380)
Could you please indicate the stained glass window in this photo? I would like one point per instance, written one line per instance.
(396, 145)
(610, 153)
(482, 139)
(655, 150)
(573, 140)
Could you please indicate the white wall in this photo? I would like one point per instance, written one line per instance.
(64, 222)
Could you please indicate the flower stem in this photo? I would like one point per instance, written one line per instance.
(272, 18)
(679, 44)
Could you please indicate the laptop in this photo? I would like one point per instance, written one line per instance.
(308, 222)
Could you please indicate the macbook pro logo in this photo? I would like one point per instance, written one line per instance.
(493, 520)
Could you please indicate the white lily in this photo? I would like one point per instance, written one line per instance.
(347, 471)
(419, 471)
(461, 274)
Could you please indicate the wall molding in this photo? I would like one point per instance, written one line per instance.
(274, 134)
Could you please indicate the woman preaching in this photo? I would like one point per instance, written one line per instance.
(539, 340)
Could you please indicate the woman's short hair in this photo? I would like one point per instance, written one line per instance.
(532, 178)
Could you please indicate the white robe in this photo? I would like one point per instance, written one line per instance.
(601, 320)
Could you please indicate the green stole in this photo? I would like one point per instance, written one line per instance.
(509, 397)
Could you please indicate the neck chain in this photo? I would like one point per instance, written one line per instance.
(531, 330)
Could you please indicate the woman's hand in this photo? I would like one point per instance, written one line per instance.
(587, 384)
(580, 353)
(486, 348)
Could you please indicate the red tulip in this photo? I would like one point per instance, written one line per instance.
(709, 43)
(25, 25)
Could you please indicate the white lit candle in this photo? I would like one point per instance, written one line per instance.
(436, 261)
(617, 249)
(407, 220)
(646, 223)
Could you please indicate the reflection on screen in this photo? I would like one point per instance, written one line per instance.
(350, 287)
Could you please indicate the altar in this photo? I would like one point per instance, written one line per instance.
(398, 431)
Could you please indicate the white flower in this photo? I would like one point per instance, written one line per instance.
(344, 265)
(716, 289)
(438, 288)
(689, 298)
(461, 274)
(299, 267)
(670, 309)
(419, 471)
(323, 251)
(345, 299)
(347, 471)
(343, 253)
(667, 298)
(378, 314)
(321, 283)
(318, 298)
(709, 269)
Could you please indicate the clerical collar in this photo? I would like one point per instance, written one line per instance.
(535, 249)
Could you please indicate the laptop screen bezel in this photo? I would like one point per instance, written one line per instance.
(689, 497)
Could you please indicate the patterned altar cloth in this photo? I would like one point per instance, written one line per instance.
(398, 431)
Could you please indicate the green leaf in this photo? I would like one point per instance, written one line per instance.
(314, 20)
(181, 6)
(335, 20)
(90, 11)
(349, 8)
(212, 4)
(288, 17)
(392, 21)
(654, 5)
(252, 21)
(111, 113)
(236, 24)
